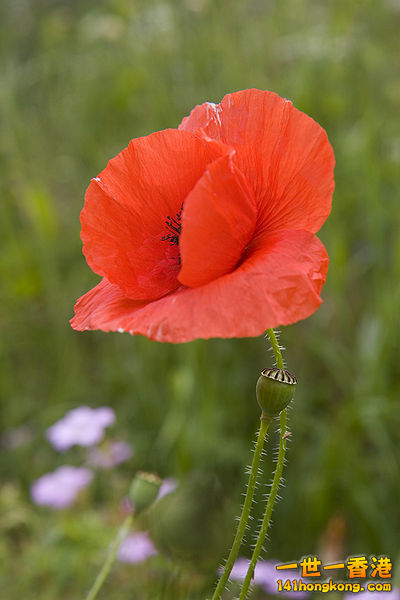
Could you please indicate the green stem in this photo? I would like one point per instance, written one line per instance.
(275, 483)
(269, 508)
(245, 510)
(276, 348)
(112, 554)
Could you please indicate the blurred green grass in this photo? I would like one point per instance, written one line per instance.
(78, 80)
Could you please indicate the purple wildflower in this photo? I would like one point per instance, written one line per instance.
(60, 488)
(110, 455)
(168, 486)
(136, 548)
(266, 576)
(394, 594)
(83, 426)
(239, 569)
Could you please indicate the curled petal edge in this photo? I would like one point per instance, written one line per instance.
(278, 283)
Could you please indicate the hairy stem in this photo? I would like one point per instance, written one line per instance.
(112, 554)
(276, 348)
(245, 510)
(275, 483)
(269, 508)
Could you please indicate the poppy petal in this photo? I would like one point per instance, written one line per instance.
(217, 223)
(126, 207)
(278, 284)
(283, 151)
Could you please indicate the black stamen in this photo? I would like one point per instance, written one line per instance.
(173, 224)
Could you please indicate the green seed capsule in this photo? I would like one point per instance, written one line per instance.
(144, 490)
(275, 389)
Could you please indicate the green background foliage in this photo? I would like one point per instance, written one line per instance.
(78, 80)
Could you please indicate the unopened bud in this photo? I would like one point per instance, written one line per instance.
(144, 490)
(275, 389)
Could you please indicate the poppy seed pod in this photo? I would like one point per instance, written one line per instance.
(144, 490)
(275, 389)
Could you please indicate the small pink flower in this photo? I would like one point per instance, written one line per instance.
(83, 426)
(60, 488)
(265, 576)
(168, 486)
(110, 455)
(136, 548)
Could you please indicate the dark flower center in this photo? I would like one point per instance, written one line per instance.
(174, 228)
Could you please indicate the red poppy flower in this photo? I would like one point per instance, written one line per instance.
(208, 230)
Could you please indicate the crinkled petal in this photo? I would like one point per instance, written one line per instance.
(277, 284)
(217, 224)
(282, 151)
(126, 206)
